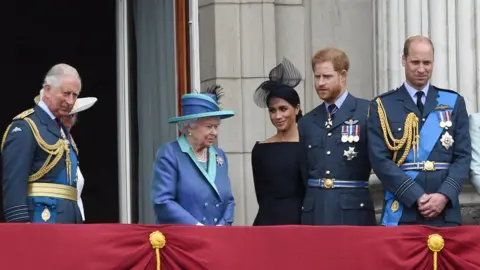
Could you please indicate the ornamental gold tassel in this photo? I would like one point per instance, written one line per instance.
(157, 240)
(435, 244)
(409, 139)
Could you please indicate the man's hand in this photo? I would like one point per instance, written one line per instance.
(433, 206)
(423, 200)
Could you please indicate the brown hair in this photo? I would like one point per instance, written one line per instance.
(338, 58)
(410, 40)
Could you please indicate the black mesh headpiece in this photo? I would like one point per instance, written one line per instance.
(282, 80)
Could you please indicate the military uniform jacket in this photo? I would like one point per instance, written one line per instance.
(22, 158)
(397, 105)
(331, 158)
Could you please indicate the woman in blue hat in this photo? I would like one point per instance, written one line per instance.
(190, 175)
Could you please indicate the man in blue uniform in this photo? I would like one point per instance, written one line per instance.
(39, 158)
(420, 144)
(335, 138)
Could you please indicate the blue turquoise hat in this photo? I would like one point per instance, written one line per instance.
(203, 104)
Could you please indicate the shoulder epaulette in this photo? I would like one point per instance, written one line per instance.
(386, 93)
(24, 114)
(446, 90)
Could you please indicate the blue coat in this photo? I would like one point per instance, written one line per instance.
(22, 157)
(404, 187)
(184, 193)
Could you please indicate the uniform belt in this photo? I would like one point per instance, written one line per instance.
(334, 183)
(52, 190)
(428, 166)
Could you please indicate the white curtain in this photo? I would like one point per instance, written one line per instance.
(154, 26)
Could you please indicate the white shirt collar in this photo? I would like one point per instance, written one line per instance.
(44, 106)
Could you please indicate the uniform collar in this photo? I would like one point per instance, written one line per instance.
(339, 101)
(44, 106)
(412, 91)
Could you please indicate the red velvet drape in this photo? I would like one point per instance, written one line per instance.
(105, 246)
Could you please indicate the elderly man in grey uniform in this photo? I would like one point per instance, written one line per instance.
(334, 135)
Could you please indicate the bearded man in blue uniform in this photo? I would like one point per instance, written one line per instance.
(39, 157)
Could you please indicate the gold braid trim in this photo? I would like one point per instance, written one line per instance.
(58, 150)
(409, 139)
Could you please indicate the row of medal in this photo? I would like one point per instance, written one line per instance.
(350, 131)
(445, 118)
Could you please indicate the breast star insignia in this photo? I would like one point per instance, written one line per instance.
(350, 153)
(447, 140)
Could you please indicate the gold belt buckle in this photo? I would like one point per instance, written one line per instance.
(429, 165)
(328, 183)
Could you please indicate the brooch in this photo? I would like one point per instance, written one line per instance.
(219, 160)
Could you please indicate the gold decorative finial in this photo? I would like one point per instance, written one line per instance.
(157, 240)
(435, 243)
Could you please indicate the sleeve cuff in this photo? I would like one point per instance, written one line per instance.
(451, 189)
(17, 213)
(409, 192)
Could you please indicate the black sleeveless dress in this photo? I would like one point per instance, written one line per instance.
(279, 175)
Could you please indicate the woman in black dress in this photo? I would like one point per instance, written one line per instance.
(278, 163)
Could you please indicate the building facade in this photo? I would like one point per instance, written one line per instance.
(241, 40)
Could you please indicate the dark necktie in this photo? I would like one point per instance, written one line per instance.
(62, 128)
(332, 109)
(59, 123)
(419, 95)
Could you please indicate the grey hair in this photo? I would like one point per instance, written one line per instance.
(55, 74)
(183, 126)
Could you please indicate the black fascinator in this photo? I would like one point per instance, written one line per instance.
(282, 80)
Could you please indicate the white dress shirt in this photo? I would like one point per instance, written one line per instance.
(80, 183)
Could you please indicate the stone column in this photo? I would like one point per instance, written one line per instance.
(454, 27)
(240, 42)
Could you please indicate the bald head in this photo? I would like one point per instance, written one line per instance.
(415, 40)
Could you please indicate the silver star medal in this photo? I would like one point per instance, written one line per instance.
(447, 140)
(350, 153)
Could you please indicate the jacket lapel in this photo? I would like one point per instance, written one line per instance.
(431, 101)
(320, 116)
(407, 100)
(212, 162)
(345, 112)
(52, 126)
